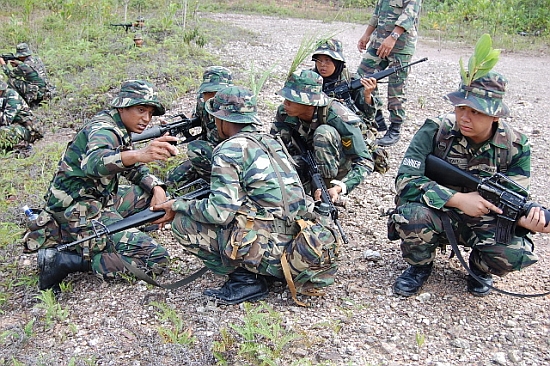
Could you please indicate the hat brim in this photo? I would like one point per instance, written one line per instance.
(23, 54)
(211, 88)
(304, 98)
(492, 107)
(119, 103)
(331, 54)
(242, 118)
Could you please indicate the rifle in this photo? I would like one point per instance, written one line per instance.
(317, 181)
(196, 189)
(181, 127)
(8, 57)
(512, 203)
(125, 25)
(341, 89)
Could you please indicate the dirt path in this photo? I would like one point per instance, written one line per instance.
(359, 321)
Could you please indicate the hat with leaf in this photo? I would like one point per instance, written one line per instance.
(482, 89)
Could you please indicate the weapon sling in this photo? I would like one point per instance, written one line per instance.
(454, 245)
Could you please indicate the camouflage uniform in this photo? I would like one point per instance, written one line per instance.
(387, 15)
(337, 142)
(86, 187)
(29, 78)
(243, 180)
(200, 151)
(17, 129)
(419, 199)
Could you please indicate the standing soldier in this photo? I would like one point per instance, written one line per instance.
(28, 76)
(17, 130)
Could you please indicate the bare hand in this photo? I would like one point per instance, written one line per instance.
(472, 204)
(386, 47)
(2, 61)
(159, 149)
(167, 207)
(369, 85)
(333, 192)
(534, 221)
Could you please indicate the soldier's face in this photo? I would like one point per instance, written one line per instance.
(473, 124)
(301, 111)
(208, 95)
(137, 117)
(325, 65)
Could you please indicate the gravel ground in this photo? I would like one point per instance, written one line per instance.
(359, 321)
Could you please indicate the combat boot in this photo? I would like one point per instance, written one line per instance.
(380, 121)
(475, 287)
(54, 266)
(393, 134)
(241, 286)
(410, 281)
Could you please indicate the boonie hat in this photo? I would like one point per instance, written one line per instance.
(215, 78)
(136, 92)
(332, 48)
(484, 95)
(304, 87)
(233, 104)
(22, 50)
(137, 36)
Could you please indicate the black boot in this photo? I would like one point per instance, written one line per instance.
(380, 121)
(392, 135)
(412, 279)
(241, 286)
(55, 266)
(475, 287)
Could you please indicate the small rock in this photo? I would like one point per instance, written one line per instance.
(499, 358)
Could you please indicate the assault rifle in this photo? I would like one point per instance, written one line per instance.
(197, 189)
(341, 89)
(317, 181)
(512, 203)
(8, 57)
(125, 25)
(180, 127)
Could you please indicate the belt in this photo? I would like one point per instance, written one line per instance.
(281, 227)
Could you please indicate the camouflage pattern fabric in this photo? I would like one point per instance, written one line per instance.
(484, 94)
(215, 78)
(242, 176)
(338, 144)
(26, 80)
(199, 165)
(304, 87)
(134, 92)
(419, 199)
(85, 187)
(16, 121)
(332, 48)
(234, 104)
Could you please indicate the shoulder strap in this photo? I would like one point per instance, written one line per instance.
(442, 145)
(322, 112)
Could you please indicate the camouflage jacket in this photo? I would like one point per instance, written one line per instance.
(348, 126)
(208, 124)
(92, 163)
(391, 13)
(30, 71)
(14, 109)
(242, 173)
(480, 160)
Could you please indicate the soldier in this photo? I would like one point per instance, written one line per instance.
(17, 129)
(199, 152)
(252, 177)
(331, 65)
(85, 191)
(328, 127)
(474, 139)
(391, 37)
(28, 76)
(138, 40)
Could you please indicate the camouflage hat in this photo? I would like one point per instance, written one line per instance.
(22, 50)
(304, 87)
(215, 78)
(234, 104)
(484, 95)
(332, 48)
(137, 36)
(136, 92)
(3, 85)
(140, 19)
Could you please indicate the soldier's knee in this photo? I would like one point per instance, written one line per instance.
(416, 222)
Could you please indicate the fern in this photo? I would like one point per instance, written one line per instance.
(483, 60)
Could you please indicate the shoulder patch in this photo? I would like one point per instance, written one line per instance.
(347, 143)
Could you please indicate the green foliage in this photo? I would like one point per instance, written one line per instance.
(420, 339)
(175, 332)
(481, 62)
(53, 310)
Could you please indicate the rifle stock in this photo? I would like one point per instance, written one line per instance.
(181, 127)
(8, 57)
(199, 188)
(512, 203)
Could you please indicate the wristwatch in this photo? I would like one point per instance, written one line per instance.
(395, 35)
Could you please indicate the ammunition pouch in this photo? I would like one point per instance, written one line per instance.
(78, 217)
(44, 232)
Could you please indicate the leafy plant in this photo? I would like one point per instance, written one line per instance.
(53, 310)
(481, 62)
(176, 333)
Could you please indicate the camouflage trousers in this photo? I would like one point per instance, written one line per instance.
(32, 94)
(371, 63)
(212, 244)
(329, 153)
(199, 165)
(421, 231)
(132, 245)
